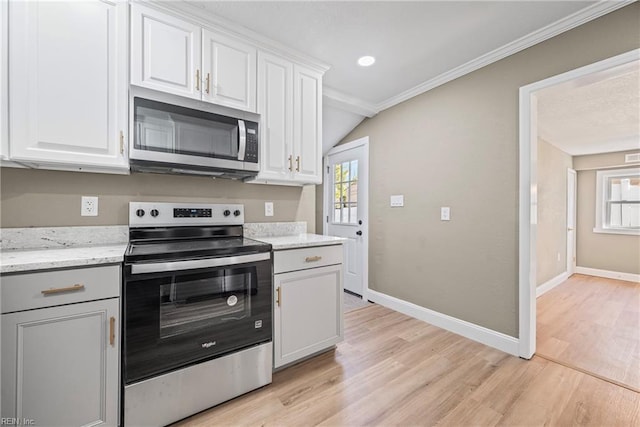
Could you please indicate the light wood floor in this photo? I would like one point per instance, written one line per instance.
(395, 370)
(592, 324)
(353, 302)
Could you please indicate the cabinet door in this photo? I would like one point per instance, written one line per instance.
(165, 52)
(308, 312)
(275, 105)
(307, 125)
(68, 94)
(4, 72)
(60, 364)
(229, 72)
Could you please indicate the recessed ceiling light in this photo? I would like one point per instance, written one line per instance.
(366, 61)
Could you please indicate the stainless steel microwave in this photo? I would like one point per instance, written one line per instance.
(172, 134)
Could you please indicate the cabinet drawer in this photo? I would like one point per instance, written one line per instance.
(25, 291)
(299, 259)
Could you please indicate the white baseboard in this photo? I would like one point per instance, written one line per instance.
(550, 284)
(469, 330)
(630, 277)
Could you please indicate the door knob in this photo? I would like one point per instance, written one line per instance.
(359, 233)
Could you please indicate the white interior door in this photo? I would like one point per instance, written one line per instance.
(347, 208)
(571, 221)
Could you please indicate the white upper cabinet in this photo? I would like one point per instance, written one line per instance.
(173, 55)
(165, 52)
(290, 107)
(4, 72)
(307, 125)
(275, 105)
(228, 71)
(68, 86)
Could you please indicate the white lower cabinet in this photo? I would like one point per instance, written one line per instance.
(60, 364)
(308, 303)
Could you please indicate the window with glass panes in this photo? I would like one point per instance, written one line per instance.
(620, 202)
(345, 192)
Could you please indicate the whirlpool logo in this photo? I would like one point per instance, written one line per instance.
(208, 344)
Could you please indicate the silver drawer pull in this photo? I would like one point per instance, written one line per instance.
(313, 258)
(74, 288)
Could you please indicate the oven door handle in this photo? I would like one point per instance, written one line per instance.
(165, 267)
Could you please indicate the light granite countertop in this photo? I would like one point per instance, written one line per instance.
(43, 248)
(32, 249)
(43, 259)
(303, 240)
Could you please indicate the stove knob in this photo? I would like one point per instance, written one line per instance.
(154, 212)
(236, 212)
(140, 213)
(226, 212)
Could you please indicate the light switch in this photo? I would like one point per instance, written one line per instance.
(445, 213)
(268, 208)
(397, 201)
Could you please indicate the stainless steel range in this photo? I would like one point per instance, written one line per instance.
(197, 309)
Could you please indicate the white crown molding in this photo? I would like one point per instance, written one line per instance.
(206, 18)
(565, 24)
(334, 98)
(356, 105)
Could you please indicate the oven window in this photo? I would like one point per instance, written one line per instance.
(190, 302)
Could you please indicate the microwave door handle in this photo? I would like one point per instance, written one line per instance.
(167, 267)
(242, 146)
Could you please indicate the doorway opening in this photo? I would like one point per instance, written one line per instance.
(529, 229)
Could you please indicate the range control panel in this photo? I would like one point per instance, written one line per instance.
(191, 213)
(149, 214)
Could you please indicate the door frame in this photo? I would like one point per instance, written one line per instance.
(361, 142)
(528, 187)
(571, 245)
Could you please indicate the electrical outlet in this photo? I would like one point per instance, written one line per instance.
(396, 201)
(558, 256)
(268, 208)
(89, 206)
(445, 214)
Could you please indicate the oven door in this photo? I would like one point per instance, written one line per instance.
(183, 312)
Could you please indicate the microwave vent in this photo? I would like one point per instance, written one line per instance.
(632, 158)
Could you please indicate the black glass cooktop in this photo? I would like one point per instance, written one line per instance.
(193, 248)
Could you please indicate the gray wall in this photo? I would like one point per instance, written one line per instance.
(457, 146)
(552, 211)
(612, 252)
(37, 198)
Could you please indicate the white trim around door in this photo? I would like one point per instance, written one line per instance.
(528, 193)
(364, 175)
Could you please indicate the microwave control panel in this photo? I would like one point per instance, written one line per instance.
(251, 153)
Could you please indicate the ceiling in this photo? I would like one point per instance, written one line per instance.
(418, 45)
(598, 113)
(412, 41)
